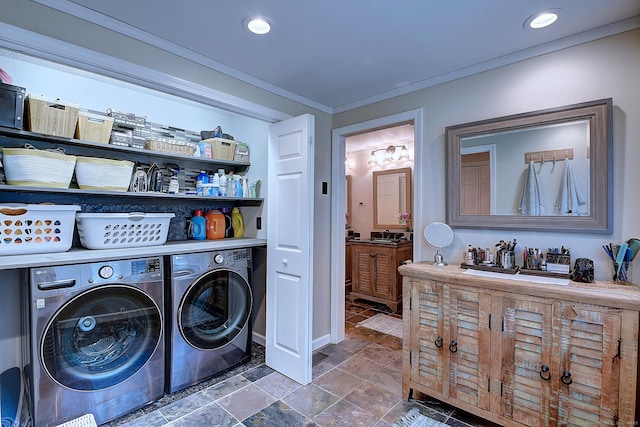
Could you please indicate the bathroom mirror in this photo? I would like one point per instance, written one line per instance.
(489, 168)
(391, 195)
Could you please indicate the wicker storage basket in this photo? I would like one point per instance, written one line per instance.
(222, 149)
(35, 229)
(175, 147)
(122, 230)
(37, 168)
(51, 116)
(93, 173)
(93, 127)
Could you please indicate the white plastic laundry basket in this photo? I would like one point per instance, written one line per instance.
(36, 229)
(122, 230)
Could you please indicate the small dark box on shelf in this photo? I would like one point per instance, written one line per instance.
(12, 105)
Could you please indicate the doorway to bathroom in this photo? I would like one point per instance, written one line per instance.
(342, 160)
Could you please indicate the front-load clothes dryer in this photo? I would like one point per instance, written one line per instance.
(95, 338)
(208, 316)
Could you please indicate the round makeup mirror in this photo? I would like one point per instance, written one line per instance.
(439, 235)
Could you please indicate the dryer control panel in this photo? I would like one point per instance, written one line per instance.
(144, 266)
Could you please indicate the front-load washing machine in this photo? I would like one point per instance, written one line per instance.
(208, 316)
(95, 338)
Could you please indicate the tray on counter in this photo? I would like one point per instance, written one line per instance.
(493, 268)
(496, 269)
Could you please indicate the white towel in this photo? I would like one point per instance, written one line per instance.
(530, 201)
(569, 197)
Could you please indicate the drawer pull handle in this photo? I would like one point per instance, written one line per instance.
(453, 347)
(544, 373)
(438, 342)
(566, 378)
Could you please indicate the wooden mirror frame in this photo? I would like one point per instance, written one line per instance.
(407, 172)
(598, 113)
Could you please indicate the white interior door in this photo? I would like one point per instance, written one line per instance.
(289, 291)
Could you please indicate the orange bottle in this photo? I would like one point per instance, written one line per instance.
(215, 224)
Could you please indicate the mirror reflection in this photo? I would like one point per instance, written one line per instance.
(543, 170)
(523, 172)
(392, 196)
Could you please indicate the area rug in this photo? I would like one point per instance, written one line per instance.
(415, 419)
(383, 323)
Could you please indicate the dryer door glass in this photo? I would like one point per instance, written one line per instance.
(215, 309)
(101, 337)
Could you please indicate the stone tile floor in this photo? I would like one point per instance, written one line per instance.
(357, 382)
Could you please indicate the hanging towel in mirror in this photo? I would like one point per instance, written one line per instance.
(569, 197)
(530, 201)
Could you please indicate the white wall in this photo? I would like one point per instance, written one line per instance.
(600, 69)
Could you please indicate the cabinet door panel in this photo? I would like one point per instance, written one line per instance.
(526, 348)
(589, 351)
(428, 364)
(469, 346)
(363, 271)
(384, 274)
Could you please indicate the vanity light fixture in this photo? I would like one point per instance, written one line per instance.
(389, 154)
(257, 24)
(542, 19)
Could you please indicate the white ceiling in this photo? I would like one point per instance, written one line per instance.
(340, 54)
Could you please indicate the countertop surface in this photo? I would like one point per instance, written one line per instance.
(78, 255)
(380, 242)
(625, 296)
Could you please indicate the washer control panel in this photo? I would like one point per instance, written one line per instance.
(105, 272)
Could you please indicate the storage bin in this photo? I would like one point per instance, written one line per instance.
(94, 127)
(127, 119)
(11, 105)
(222, 149)
(182, 148)
(241, 153)
(35, 229)
(51, 116)
(93, 173)
(37, 168)
(122, 230)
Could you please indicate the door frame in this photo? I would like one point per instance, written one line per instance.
(491, 148)
(338, 203)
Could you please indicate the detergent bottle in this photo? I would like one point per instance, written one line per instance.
(237, 222)
(215, 224)
(226, 212)
(222, 189)
(197, 226)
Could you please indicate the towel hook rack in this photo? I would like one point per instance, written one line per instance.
(554, 163)
(541, 161)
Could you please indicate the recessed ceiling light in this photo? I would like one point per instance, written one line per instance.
(257, 24)
(542, 19)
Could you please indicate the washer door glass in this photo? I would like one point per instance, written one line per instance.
(101, 337)
(215, 309)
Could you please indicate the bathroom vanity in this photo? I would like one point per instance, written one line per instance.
(375, 274)
(521, 353)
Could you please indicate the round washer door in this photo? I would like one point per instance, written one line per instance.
(215, 309)
(101, 337)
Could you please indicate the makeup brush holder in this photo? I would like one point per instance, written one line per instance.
(623, 274)
(506, 259)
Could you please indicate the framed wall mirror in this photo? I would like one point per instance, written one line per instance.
(391, 195)
(544, 170)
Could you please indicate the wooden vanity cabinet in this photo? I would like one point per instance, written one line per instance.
(522, 354)
(347, 268)
(375, 274)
